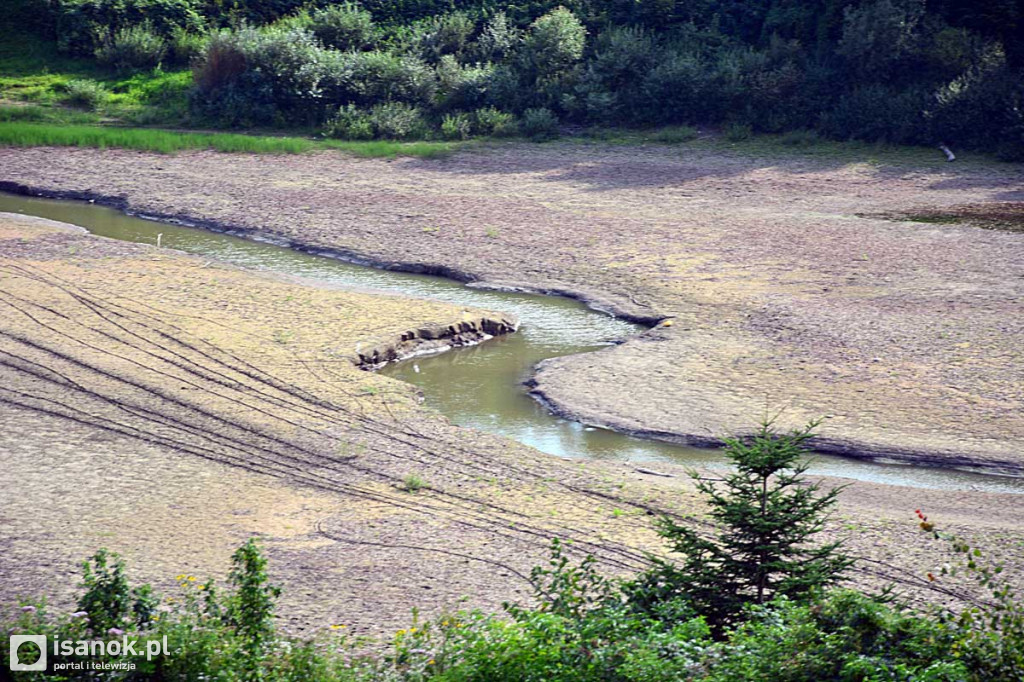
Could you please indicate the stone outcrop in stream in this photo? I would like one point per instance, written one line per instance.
(437, 338)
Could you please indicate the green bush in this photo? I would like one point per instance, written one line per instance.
(269, 76)
(82, 25)
(132, 48)
(539, 124)
(371, 78)
(846, 636)
(85, 93)
(490, 121)
(554, 43)
(397, 121)
(350, 123)
(612, 88)
(876, 113)
(497, 41)
(184, 47)
(457, 126)
(344, 27)
(446, 34)
(460, 86)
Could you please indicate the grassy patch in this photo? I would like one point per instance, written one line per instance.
(19, 133)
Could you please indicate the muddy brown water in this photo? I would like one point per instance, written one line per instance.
(481, 387)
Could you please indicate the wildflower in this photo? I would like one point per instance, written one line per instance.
(115, 632)
(191, 578)
(931, 577)
(337, 626)
(430, 662)
(200, 587)
(179, 577)
(412, 631)
(400, 633)
(28, 609)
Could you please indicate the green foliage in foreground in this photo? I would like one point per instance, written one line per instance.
(586, 627)
(18, 133)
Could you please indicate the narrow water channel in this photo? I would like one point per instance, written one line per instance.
(481, 386)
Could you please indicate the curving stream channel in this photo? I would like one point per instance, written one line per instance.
(481, 386)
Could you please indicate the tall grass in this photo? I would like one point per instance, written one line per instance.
(22, 134)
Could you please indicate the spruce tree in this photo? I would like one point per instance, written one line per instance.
(766, 514)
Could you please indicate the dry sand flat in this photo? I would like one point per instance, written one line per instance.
(906, 334)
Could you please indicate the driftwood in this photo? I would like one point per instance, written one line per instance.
(651, 472)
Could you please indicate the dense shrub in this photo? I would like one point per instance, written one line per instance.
(457, 126)
(390, 120)
(350, 123)
(555, 42)
(463, 86)
(135, 47)
(901, 71)
(539, 124)
(85, 93)
(876, 113)
(498, 40)
(612, 87)
(372, 77)
(344, 27)
(490, 121)
(81, 24)
(397, 121)
(249, 77)
(184, 47)
(447, 34)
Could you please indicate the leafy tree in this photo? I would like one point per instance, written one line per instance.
(767, 515)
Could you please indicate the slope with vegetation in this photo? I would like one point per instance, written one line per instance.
(900, 71)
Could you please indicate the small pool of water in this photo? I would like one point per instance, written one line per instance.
(481, 386)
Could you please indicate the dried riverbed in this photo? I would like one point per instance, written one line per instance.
(634, 230)
(905, 334)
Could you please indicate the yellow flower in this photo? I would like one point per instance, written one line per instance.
(337, 626)
(430, 662)
(200, 587)
(191, 578)
(400, 633)
(412, 631)
(180, 576)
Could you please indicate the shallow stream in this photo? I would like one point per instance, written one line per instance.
(481, 386)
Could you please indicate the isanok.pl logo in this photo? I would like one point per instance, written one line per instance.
(24, 656)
